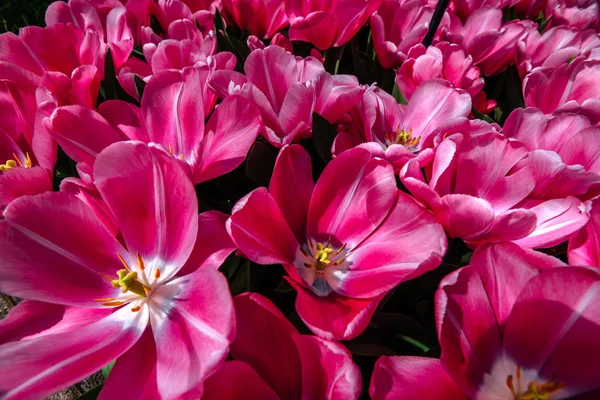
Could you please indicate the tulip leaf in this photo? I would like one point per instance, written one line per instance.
(398, 95)
(140, 85)
(415, 343)
(106, 370)
(323, 134)
(482, 116)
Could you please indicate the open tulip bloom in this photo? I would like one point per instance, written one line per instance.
(344, 241)
(148, 298)
(514, 324)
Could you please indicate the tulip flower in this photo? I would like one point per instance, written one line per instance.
(344, 241)
(158, 305)
(577, 14)
(287, 90)
(490, 42)
(312, 368)
(397, 26)
(206, 151)
(328, 24)
(564, 151)
(583, 245)
(485, 312)
(262, 18)
(569, 87)
(503, 201)
(396, 132)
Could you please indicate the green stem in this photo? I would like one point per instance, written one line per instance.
(332, 60)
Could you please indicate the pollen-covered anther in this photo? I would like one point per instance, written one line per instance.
(323, 255)
(16, 162)
(535, 391)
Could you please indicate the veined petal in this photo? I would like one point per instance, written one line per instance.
(38, 367)
(54, 249)
(193, 324)
(154, 204)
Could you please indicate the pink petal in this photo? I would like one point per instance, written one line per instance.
(351, 198)
(173, 111)
(407, 378)
(36, 368)
(264, 334)
(292, 187)
(464, 216)
(327, 370)
(193, 325)
(317, 28)
(408, 243)
(236, 380)
(42, 260)
(125, 117)
(30, 319)
(563, 304)
(18, 182)
(260, 230)
(213, 243)
(334, 317)
(153, 202)
(295, 116)
(584, 246)
(230, 133)
(82, 132)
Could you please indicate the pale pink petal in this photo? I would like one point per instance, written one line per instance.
(193, 325)
(36, 368)
(408, 378)
(153, 202)
(260, 231)
(351, 198)
(230, 133)
(236, 380)
(55, 249)
(264, 334)
(327, 370)
(295, 116)
(292, 187)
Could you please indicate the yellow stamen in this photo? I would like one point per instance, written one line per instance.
(106, 277)
(113, 303)
(10, 164)
(136, 309)
(171, 149)
(157, 273)
(323, 253)
(18, 160)
(124, 262)
(140, 262)
(128, 282)
(28, 163)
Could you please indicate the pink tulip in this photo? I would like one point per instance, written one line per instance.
(444, 60)
(328, 24)
(568, 87)
(311, 368)
(206, 151)
(277, 40)
(583, 245)
(528, 8)
(554, 48)
(165, 312)
(397, 26)
(501, 202)
(464, 8)
(262, 18)
(564, 151)
(490, 42)
(111, 29)
(200, 12)
(344, 241)
(580, 14)
(485, 314)
(287, 90)
(396, 132)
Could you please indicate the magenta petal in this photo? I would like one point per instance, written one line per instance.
(327, 370)
(36, 368)
(408, 378)
(153, 202)
(126, 117)
(193, 325)
(230, 133)
(30, 319)
(562, 304)
(334, 317)
(584, 246)
(213, 243)
(41, 260)
(264, 334)
(82, 132)
(408, 243)
(140, 360)
(465, 216)
(292, 186)
(236, 380)
(352, 197)
(18, 182)
(260, 231)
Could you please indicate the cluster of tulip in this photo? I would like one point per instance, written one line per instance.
(425, 175)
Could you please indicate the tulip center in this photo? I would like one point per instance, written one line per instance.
(402, 137)
(128, 282)
(322, 255)
(16, 162)
(535, 390)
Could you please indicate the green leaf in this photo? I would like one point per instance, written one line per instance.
(140, 85)
(415, 343)
(398, 95)
(323, 135)
(106, 370)
(482, 116)
(466, 258)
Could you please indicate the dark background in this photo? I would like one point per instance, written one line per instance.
(18, 13)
